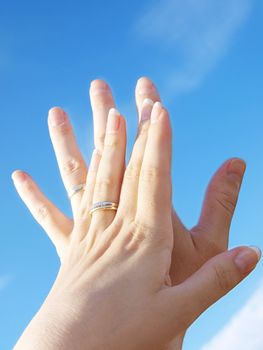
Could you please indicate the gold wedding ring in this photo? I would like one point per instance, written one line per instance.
(105, 205)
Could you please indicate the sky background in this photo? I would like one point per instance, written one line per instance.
(205, 57)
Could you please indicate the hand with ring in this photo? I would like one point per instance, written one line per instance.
(131, 276)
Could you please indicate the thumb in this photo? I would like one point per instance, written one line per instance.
(212, 281)
(220, 202)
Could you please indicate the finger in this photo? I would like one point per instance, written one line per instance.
(129, 190)
(71, 164)
(154, 192)
(220, 202)
(84, 217)
(211, 282)
(110, 172)
(145, 89)
(101, 102)
(90, 182)
(57, 226)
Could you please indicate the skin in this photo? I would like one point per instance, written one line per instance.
(143, 253)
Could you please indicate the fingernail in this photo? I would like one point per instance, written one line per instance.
(236, 166)
(146, 109)
(247, 259)
(56, 116)
(113, 122)
(145, 86)
(98, 87)
(18, 176)
(98, 83)
(157, 108)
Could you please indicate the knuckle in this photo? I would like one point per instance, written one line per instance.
(72, 165)
(103, 100)
(42, 213)
(143, 129)
(63, 129)
(100, 103)
(100, 137)
(103, 184)
(149, 173)
(227, 200)
(143, 231)
(136, 234)
(140, 234)
(132, 171)
(82, 213)
(28, 186)
(223, 278)
(111, 141)
(225, 193)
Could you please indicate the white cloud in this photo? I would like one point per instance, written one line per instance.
(4, 281)
(244, 330)
(200, 32)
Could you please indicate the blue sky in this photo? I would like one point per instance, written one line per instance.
(206, 58)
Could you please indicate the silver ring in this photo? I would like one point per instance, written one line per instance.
(104, 205)
(76, 189)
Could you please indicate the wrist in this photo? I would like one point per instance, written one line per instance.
(41, 333)
(46, 329)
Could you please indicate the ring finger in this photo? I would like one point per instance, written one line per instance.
(110, 172)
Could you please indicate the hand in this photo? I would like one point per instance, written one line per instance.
(68, 154)
(193, 247)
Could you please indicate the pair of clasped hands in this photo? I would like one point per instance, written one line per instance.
(134, 278)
